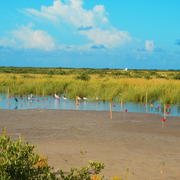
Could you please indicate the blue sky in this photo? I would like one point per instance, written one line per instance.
(136, 34)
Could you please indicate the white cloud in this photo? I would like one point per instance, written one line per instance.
(109, 38)
(149, 45)
(99, 30)
(26, 37)
(71, 12)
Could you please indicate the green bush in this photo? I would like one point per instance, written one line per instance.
(51, 72)
(147, 76)
(177, 76)
(84, 77)
(19, 161)
(85, 173)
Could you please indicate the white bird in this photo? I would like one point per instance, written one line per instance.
(78, 98)
(65, 98)
(29, 98)
(84, 98)
(97, 98)
(56, 96)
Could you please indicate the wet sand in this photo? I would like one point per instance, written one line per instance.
(130, 140)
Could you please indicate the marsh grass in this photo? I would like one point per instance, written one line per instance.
(106, 88)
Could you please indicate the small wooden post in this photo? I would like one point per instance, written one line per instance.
(77, 103)
(146, 101)
(8, 102)
(164, 119)
(164, 111)
(121, 104)
(110, 111)
(36, 91)
(43, 92)
(8, 92)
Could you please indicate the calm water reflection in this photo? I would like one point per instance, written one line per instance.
(49, 102)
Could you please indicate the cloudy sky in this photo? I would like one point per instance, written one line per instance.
(136, 34)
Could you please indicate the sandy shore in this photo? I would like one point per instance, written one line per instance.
(131, 140)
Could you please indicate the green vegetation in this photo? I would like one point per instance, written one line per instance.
(108, 85)
(19, 161)
(84, 76)
(118, 73)
(89, 172)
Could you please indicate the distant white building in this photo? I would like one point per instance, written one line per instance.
(126, 69)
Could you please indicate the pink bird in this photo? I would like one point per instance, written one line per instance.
(163, 120)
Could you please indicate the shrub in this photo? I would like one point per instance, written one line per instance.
(86, 173)
(19, 161)
(147, 76)
(177, 76)
(50, 72)
(83, 76)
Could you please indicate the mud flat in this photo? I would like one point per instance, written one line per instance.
(130, 140)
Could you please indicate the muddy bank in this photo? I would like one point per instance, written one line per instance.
(131, 140)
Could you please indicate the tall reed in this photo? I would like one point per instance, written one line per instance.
(105, 88)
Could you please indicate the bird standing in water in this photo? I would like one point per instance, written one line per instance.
(16, 99)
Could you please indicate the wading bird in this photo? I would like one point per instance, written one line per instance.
(85, 98)
(64, 97)
(56, 96)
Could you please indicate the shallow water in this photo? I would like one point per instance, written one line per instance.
(49, 102)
